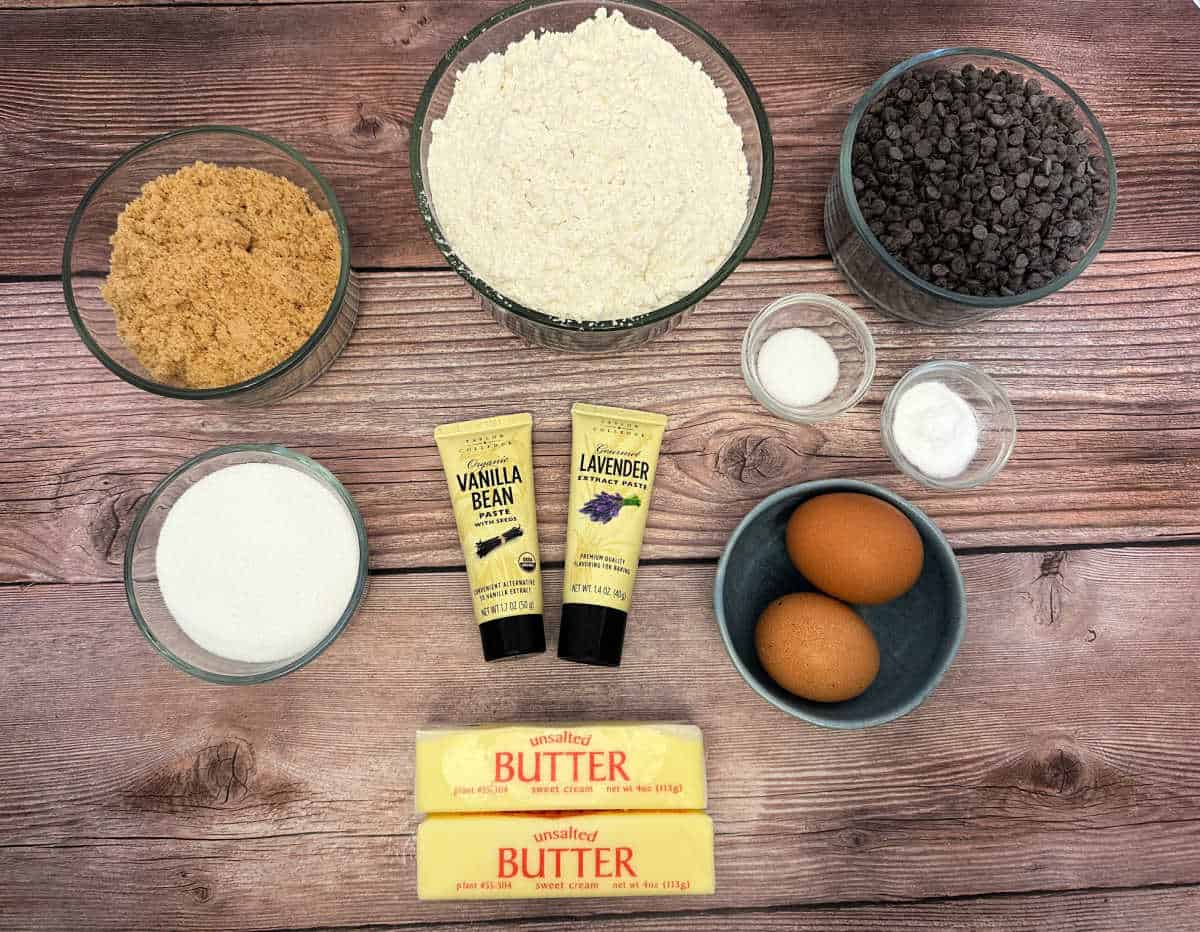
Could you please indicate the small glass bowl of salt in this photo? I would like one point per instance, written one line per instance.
(949, 425)
(808, 358)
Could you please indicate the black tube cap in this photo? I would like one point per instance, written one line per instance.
(512, 636)
(591, 634)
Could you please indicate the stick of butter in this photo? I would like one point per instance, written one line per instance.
(500, 857)
(527, 768)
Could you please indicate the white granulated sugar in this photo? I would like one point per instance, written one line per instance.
(591, 175)
(257, 562)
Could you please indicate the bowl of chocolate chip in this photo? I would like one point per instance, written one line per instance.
(969, 181)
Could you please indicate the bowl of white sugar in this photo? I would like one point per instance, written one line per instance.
(245, 563)
(593, 171)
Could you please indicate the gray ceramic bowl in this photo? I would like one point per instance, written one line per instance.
(918, 633)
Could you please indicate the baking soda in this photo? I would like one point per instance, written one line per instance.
(936, 430)
(257, 562)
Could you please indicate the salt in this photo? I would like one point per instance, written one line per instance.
(257, 562)
(797, 367)
(936, 430)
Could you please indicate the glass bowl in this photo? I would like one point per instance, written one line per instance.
(840, 326)
(993, 412)
(510, 25)
(86, 255)
(880, 278)
(141, 581)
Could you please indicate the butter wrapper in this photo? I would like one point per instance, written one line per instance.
(531, 768)
(531, 856)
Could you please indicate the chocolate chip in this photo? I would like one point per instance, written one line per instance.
(978, 178)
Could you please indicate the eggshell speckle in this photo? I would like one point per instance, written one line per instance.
(816, 647)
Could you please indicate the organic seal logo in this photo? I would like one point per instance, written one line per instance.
(527, 562)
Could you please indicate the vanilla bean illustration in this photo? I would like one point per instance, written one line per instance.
(484, 547)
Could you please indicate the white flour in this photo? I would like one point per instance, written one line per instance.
(257, 562)
(591, 175)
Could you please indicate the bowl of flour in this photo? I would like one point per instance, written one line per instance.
(593, 171)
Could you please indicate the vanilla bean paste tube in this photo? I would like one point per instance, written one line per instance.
(489, 471)
(614, 453)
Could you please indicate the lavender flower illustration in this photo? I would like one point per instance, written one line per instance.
(605, 506)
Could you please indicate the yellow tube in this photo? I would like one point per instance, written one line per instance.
(614, 455)
(489, 471)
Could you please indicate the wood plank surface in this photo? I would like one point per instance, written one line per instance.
(341, 81)
(1061, 751)
(1103, 376)
(1052, 782)
(1161, 910)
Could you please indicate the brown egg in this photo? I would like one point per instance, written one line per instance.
(816, 647)
(854, 547)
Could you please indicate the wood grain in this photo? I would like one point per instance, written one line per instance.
(1103, 376)
(1059, 752)
(341, 82)
(1163, 910)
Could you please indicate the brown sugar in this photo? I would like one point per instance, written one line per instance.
(219, 274)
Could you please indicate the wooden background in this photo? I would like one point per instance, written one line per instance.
(1051, 782)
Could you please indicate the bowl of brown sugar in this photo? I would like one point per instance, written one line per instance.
(211, 263)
